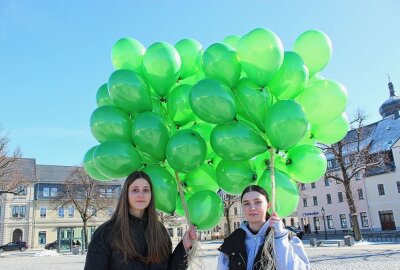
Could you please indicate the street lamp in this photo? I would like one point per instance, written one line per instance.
(323, 217)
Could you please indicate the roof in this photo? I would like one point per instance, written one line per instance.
(381, 136)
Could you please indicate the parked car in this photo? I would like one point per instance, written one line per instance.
(22, 246)
(51, 246)
(54, 245)
(299, 233)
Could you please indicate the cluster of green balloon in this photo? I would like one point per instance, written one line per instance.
(208, 118)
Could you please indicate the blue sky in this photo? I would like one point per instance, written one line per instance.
(55, 54)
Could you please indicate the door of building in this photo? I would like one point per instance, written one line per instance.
(17, 235)
(387, 220)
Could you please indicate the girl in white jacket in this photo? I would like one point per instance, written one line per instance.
(242, 250)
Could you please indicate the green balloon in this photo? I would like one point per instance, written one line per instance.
(212, 101)
(90, 168)
(261, 162)
(191, 53)
(289, 81)
(315, 48)
(116, 159)
(202, 178)
(147, 159)
(315, 77)
(127, 53)
(252, 102)
(164, 187)
(186, 151)
(331, 132)
(234, 176)
(129, 91)
(232, 40)
(285, 124)
(178, 106)
(110, 123)
(236, 141)
(103, 97)
(307, 163)
(150, 134)
(286, 192)
(204, 130)
(205, 209)
(221, 62)
(323, 101)
(161, 63)
(261, 55)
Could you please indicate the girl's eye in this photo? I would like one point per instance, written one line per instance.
(258, 202)
(146, 190)
(135, 190)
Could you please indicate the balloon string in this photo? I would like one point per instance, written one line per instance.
(182, 197)
(191, 257)
(271, 167)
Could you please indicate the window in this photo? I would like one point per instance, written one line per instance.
(330, 222)
(21, 190)
(71, 211)
(364, 219)
(327, 182)
(343, 221)
(61, 212)
(358, 176)
(305, 202)
(360, 194)
(328, 199)
(102, 192)
(303, 187)
(179, 232)
(330, 164)
(170, 232)
(109, 193)
(398, 186)
(46, 192)
(312, 185)
(93, 210)
(315, 200)
(0, 212)
(53, 192)
(110, 211)
(340, 196)
(43, 211)
(42, 237)
(18, 211)
(235, 211)
(381, 189)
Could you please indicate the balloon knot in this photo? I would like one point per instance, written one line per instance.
(163, 99)
(288, 161)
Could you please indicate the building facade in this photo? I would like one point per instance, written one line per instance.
(31, 216)
(376, 192)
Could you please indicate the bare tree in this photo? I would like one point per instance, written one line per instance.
(87, 195)
(353, 158)
(228, 200)
(12, 180)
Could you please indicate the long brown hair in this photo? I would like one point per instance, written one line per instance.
(157, 238)
(258, 189)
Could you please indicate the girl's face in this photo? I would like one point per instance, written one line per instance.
(255, 207)
(139, 196)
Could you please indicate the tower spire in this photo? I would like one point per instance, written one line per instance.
(391, 87)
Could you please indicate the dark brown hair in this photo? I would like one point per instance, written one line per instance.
(157, 238)
(258, 189)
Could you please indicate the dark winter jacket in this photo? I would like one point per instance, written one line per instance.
(101, 255)
(234, 247)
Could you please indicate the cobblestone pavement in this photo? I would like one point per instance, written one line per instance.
(379, 256)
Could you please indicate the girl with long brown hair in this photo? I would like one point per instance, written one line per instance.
(134, 238)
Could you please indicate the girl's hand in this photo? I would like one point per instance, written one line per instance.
(188, 237)
(275, 221)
